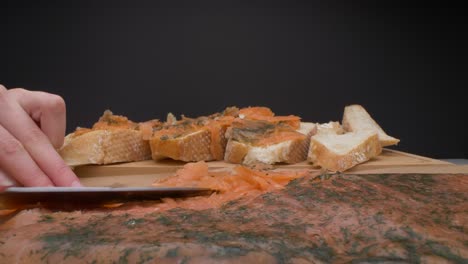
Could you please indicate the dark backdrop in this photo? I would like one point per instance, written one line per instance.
(405, 65)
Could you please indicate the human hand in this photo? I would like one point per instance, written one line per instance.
(32, 127)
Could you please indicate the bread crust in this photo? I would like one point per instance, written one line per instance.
(356, 118)
(192, 147)
(323, 154)
(235, 151)
(105, 147)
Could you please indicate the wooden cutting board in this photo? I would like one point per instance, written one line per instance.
(144, 173)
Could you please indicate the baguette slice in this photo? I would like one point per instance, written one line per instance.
(193, 139)
(195, 145)
(263, 142)
(112, 139)
(356, 118)
(338, 153)
(105, 147)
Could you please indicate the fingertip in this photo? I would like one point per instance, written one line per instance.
(38, 181)
(57, 142)
(3, 91)
(6, 181)
(65, 177)
(76, 184)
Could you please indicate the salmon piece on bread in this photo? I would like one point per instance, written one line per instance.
(265, 114)
(261, 141)
(112, 139)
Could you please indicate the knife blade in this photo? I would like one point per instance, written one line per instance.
(84, 197)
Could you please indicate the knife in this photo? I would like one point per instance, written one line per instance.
(85, 197)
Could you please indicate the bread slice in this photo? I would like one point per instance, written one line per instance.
(112, 139)
(105, 147)
(262, 142)
(356, 118)
(190, 139)
(338, 153)
(192, 146)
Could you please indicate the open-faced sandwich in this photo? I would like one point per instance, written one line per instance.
(193, 139)
(250, 135)
(261, 141)
(112, 139)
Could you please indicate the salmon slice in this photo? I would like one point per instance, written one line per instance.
(230, 183)
(265, 114)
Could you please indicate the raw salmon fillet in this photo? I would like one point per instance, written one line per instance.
(313, 219)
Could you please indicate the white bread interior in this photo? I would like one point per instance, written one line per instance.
(338, 153)
(356, 118)
(105, 147)
(332, 127)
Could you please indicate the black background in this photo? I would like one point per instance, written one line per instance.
(405, 65)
